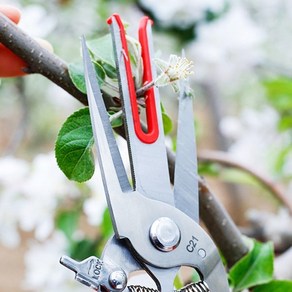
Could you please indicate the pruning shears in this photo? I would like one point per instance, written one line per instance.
(156, 225)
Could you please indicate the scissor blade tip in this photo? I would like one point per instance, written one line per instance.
(83, 42)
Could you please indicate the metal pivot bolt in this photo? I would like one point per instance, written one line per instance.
(118, 280)
(165, 234)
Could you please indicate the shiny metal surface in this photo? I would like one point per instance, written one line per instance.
(186, 194)
(134, 212)
(91, 272)
(118, 280)
(164, 234)
(149, 161)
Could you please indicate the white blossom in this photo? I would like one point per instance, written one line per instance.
(226, 47)
(29, 196)
(43, 272)
(175, 69)
(95, 205)
(41, 192)
(256, 141)
(13, 172)
(275, 227)
(182, 13)
(9, 206)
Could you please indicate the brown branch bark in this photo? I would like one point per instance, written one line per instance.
(221, 227)
(39, 60)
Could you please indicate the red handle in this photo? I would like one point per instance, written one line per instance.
(151, 115)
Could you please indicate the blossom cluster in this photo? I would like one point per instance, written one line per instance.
(31, 194)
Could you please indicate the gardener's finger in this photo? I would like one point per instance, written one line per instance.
(10, 64)
(11, 12)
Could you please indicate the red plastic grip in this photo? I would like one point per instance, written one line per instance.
(152, 133)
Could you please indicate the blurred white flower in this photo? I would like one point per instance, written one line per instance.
(43, 271)
(95, 205)
(63, 102)
(36, 21)
(41, 192)
(226, 47)
(9, 207)
(29, 196)
(283, 265)
(13, 172)
(256, 140)
(275, 227)
(181, 13)
(231, 127)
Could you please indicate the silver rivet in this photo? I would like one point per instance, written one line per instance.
(118, 280)
(164, 234)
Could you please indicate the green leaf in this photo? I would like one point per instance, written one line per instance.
(110, 71)
(254, 269)
(285, 123)
(212, 169)
(67, 222)
(134, 48)
(102, 49)
(233, 175)
(84, 248)
(100, 73)
(275, 286)
(76, 74)
(73, 147)
(279, 93)
(166, 120)
(106, 227)
(283, 157)
(167, 123)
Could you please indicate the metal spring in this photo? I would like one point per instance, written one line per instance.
(194, 287)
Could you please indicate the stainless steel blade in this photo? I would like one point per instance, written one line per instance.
(148, 161)
(101, 124)
(186, 174)
(113, 173)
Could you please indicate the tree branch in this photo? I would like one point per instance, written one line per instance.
(222, 228)
(225, 160)
(39, 60)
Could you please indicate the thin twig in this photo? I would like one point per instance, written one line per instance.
(141, 91)
(224, 159)
(39, 60)
(116, 115)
